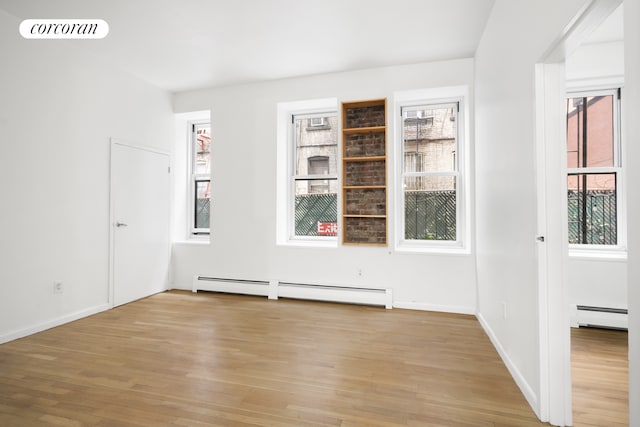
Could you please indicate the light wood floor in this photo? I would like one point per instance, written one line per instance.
(600, 369)
(183, 359)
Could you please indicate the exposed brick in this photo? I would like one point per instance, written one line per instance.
(365, 145)
(365, 173)
(364, 117)
(366, 201)
(366, 230)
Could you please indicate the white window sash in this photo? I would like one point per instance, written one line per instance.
(605, 251)
(193, 128)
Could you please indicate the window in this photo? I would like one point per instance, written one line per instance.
(318, 165)
(593, 169)
(314, 178)
(200, 177)
(431, 171)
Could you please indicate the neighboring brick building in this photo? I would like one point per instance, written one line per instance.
(429, 145)
(316, 153)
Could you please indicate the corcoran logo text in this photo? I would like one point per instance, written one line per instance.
(64, 28)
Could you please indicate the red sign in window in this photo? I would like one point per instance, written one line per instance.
(327, 228)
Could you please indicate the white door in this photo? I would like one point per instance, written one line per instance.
(555, 339)
(139, 222)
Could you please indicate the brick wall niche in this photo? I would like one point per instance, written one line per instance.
(364, 168)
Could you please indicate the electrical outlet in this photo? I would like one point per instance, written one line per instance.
(359, 272)
(504, 310)
(58, 288)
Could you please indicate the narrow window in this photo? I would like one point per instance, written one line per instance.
(201, 177)
(430, 172)
(593, 168)
(314, 178)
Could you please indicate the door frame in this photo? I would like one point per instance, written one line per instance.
(555, 340)
(555, 399)
(112, 220)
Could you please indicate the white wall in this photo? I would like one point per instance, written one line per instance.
(631, 132)
(600, 282)
(59, 107)
(596, 64)
(243, 241)
(517, 35)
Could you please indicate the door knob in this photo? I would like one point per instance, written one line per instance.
(121, 224)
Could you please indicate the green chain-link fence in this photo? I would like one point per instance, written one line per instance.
(592, 217)
(430, 215)
(312, 209)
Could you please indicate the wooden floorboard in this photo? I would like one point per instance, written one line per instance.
(183, 359)
(600, 370)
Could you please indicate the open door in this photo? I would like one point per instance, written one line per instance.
(555, 338)
(139, 222)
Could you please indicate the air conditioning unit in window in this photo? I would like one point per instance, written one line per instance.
(317, 121)
(415, 114)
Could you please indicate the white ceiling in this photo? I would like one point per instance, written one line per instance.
(189, 44)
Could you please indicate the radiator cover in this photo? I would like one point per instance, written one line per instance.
(308, 291)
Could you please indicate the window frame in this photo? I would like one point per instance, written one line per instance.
(435, 97)
(308, 177)
(285, 194)
(194, 178)
(594, 250)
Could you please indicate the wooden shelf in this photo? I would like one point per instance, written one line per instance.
(365, 159)
(360, 244)
(371, 129)
(364, 173)
(366, 103)
(364, 187)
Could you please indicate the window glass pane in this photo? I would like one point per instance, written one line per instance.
(429, 134)
(316, 142)
(430, 208)
(319, 165)
(202, 203)
(202, 150)
(316, 149)
(595, 147)
(316, 212)
(592, 209)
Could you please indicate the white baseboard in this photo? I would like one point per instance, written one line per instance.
(53, 323)
(525, 387)
(410, 305)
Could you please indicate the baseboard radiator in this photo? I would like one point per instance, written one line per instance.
(309, 291)
(599, 317)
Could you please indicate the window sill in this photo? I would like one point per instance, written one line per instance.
(613, 254)
(435, 250)
(310, 243)
(203, 240)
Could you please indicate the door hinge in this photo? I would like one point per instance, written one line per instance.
(169, 169)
